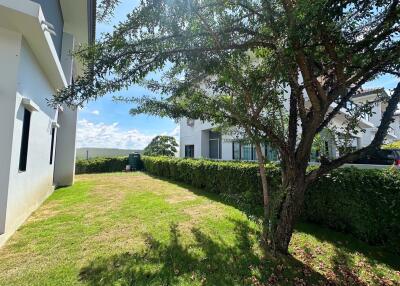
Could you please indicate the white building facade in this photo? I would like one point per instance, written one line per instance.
(199, 140)
(37, 143)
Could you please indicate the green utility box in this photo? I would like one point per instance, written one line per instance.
(135, 162)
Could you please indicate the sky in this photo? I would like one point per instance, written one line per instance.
(107, 124)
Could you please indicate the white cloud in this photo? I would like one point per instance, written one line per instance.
(103, 135)
(175, 133)
(95, 112)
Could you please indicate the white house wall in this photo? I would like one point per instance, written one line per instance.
(198, 135)
(227, 148)
(28, 189)
(194, 136)
(9, 43)
(65, 148)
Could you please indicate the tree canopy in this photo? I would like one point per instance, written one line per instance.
(161, 146)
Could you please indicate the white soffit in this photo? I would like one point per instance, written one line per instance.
(29, 104)
(27, 18)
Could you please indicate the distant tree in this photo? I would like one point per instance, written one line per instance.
(161, 146)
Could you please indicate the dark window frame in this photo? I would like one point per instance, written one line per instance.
(53, 132)
(215, 137)
(233, 150)
(23, 154)
(187, 153)
(253, 154)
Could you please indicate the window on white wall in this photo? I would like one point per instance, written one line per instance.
(23, 156)
(53, 132)
(247, 152)
(236, 151)
(189, 151)
(215, 145)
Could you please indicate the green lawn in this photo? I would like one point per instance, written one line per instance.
(133, 229)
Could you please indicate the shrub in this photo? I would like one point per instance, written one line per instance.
(364, 203)
(393, 145)
(101, 165)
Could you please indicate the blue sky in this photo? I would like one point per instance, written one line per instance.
(104, 123)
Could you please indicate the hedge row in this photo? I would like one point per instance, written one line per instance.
(101, 165)
(364, 203)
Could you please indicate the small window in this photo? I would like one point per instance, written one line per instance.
(23, 156)
(189, 151)
(53, 131)
(246, 152)
(236, 151)
(215, 145)
(271, 153)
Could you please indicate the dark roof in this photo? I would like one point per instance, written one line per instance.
(369, 91)
(91, 21)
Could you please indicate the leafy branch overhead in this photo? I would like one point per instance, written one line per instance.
(281, 69)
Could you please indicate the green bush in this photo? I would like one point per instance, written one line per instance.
(364, 203)
(101, 165)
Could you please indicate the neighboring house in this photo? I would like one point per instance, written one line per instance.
(87, 153)
(37, 143)
(199, 140)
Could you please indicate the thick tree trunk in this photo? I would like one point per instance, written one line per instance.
(289, 210)
(266, 200)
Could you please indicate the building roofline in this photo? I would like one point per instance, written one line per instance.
(91, 21)
(371, 91)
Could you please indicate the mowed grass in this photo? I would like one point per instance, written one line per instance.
(133, 229)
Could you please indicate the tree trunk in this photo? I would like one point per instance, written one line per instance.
(266, 200)
(289, 210)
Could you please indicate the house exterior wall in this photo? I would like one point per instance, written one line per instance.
(64, 170)
(197, 134)
(53, 14)
(193, 135)
(28, 189)
(34, 64)
(9, 58)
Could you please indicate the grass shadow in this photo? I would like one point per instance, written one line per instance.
(346, 245)
(204, 261)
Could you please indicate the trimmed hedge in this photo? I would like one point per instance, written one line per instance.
(101, 165)
(364, 203)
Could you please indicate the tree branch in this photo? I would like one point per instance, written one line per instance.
(380, 135)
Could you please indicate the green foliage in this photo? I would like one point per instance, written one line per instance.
(393, 145)
(161, 146)
(215, 176)
(364, 203)
(101, 165)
